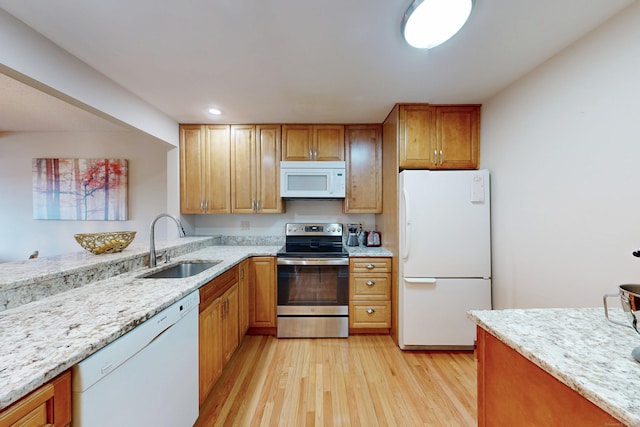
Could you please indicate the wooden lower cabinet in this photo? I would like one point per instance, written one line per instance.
(262, 295)
(513, 391)
(369, 295)
(218, 328)
(243, 297)
(49, 405)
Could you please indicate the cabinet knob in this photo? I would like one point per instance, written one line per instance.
(370, 283)
(370, 266)
(370, 310)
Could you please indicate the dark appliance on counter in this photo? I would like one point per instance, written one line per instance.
(313, 282)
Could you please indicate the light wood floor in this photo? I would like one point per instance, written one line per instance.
(359, 381)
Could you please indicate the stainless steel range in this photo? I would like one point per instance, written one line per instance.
(313, 282)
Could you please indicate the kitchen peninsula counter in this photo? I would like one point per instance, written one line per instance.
(578, 347)
(43, 338)
(56, 311)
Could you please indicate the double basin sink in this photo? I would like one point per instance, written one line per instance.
(181, 270)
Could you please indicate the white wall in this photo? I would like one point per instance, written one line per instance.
(563, 146)
(20, 234)
(273, 224)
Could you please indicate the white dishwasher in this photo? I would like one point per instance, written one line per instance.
(147, 377)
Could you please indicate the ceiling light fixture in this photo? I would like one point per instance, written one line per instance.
(429, 23)
(214, 111)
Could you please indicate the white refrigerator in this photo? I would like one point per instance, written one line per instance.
(445, 257)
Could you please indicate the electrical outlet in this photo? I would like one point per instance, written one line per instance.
(245, 225)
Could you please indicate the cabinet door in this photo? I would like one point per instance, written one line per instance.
(458, 136)
(192, 178)
(49, 405)
(417, 136)
(243, 298)
(243, 169)
(210, 344)
(328, 142)
(262, 292)
(217, 170)
(297, 142)
(230, 323)
(363, 148)
(268, 142)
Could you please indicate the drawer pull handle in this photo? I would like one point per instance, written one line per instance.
(370, 266)
(370, 283)
(370, 310)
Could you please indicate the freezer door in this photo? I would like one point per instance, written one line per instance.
(445, 224)
(433, 312)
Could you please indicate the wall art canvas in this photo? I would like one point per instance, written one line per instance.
(80, 189)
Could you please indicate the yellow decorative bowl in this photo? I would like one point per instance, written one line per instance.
(105, 243)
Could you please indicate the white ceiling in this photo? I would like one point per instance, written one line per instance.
(277, 61)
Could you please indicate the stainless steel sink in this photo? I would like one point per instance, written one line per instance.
(181, 270)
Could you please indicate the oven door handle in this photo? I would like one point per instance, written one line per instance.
(313, 261)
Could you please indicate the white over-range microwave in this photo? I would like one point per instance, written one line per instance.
(312, 180)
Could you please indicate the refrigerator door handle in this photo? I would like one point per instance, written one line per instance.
(425, 280)
(407, 225)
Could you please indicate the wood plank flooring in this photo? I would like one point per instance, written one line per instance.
(364, 380)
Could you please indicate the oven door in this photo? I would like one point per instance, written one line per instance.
(313, 297)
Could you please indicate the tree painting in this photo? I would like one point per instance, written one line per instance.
(80, 189)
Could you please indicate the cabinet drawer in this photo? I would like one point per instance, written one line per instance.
(370, 287)
(370, 265)
(373, 314)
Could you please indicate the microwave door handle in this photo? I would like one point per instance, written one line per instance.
(331, 182)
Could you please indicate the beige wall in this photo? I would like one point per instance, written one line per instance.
(564, 151)
(20, 234)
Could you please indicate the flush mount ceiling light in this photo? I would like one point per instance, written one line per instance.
(214, 111)
(428, 23)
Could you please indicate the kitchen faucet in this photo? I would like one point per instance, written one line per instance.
(152, 239)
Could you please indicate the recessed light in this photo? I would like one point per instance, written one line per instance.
(214, 111)
(429, 23)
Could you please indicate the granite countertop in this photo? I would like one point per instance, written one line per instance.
(43, 338)
(368, 251)
(580, 348)
(55, 312)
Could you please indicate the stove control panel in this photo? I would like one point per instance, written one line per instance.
(307, 229)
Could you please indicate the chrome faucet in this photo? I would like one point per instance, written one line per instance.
(152, 239)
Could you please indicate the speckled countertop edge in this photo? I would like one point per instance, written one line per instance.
(580, 348)
(368, 251)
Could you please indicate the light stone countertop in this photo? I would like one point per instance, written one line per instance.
(86, 301)
(368, 251)
(41, 339)
(580, 348)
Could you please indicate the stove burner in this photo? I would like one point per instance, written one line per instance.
(313, 240)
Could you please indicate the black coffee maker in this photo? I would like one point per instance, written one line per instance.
(352, 237)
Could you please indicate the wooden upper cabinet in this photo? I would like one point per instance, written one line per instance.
(255, 169)
(363, 152)
(458, 136)
(218, 169)
(328, 142)
(439, 137)
(313, 142)
(204, 169)
(192, 179)
(268, 154)
(243, 168)
(417, 131)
